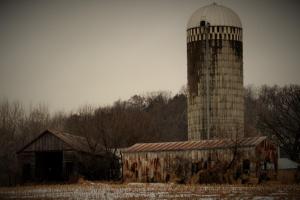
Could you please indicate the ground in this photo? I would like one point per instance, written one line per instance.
(141, 191)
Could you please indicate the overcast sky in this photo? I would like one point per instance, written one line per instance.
(69, 53)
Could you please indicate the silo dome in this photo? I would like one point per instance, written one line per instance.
(216, 15)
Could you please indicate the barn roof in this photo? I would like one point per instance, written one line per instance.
(190, 145)
(77, 143)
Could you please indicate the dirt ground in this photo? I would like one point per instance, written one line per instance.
(96, 190)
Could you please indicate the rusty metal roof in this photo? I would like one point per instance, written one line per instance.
(190, 145)
(77, 143)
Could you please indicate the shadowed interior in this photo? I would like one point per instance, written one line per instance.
(49, 166)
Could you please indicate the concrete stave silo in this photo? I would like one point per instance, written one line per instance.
(224, 106)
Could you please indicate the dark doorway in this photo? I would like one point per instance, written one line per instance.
(26, 172)
(69, 171)
(246, 166)
(49, 166)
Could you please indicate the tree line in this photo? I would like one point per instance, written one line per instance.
(153, 117)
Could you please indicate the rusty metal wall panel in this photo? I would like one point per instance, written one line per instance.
(157, 166)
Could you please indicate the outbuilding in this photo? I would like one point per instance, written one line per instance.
(203, 161)
(58, 156)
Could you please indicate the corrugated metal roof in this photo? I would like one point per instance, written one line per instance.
(189, 145)
(216, 15)
(77, 143)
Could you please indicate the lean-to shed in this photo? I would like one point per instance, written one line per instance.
(59, 156)
(218, 160)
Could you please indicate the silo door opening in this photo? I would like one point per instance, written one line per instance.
(49, 166)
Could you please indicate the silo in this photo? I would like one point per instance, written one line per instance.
(215, 74)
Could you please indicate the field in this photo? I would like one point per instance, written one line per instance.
(137, 191)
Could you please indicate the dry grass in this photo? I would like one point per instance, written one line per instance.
(139, 191)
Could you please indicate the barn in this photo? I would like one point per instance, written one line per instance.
(203, 161)
(57, 156)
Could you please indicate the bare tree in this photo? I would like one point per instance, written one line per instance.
(280, 117)
(36, 120)
(251, 111)
(58, 121)
(82, 123)
(11, 116)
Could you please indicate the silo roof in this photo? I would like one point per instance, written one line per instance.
(216, 15)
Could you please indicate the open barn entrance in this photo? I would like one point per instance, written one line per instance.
(49, 166)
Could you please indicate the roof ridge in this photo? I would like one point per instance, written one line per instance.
(76, 142)
(187, 141)
(194, 144)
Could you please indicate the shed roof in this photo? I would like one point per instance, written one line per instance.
(190, 145)
(77, 143)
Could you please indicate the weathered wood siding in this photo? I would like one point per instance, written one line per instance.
(48, 142)
(68, 155)
(27, 159)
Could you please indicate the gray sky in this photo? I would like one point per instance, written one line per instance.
(69, 53)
